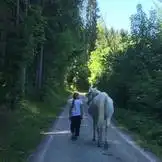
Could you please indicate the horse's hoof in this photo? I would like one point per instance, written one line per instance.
(106, 146)
(93, 139)
(98, 145)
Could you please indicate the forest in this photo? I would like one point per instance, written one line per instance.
(127, 65)
(49, 48)
(40, 40)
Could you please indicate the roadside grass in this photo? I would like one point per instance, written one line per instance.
(144, 128)
(20, 133)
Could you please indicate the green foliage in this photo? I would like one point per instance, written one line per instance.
(23, 127)
(109, 44)
(128, 67)
(77, 72)
(144, 128)
(42, 45)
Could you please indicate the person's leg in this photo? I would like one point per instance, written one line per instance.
(72, 125)
(78, 123)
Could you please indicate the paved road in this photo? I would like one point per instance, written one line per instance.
(57, 146)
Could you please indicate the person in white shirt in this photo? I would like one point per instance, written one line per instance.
(75, 115)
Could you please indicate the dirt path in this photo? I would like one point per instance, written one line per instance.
(57, 146)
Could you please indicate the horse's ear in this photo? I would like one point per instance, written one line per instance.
(90, 88)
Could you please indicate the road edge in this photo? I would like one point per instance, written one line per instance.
(39, 152)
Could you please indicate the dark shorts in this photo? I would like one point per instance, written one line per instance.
(75, 125)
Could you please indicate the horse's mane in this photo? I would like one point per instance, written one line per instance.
(96, 91)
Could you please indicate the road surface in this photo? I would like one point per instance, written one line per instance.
(57, 146)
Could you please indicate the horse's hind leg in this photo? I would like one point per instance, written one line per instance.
(98, 140)
(106, 129)
(94, 131)
(99, 131)
(106, 142)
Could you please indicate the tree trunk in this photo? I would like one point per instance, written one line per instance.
(40, 68)
(3, 47)
(23, 73)
(23, 80)
(26, 7)
(17, 12)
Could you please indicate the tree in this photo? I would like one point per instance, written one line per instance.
(130, 72)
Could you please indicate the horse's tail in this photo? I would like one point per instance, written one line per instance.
(109, 110)
(101, 111)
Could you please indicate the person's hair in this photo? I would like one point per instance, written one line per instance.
(74, 98)
(75, 95)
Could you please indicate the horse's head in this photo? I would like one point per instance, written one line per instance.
(93, 92)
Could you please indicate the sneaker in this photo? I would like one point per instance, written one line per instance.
(73, 138)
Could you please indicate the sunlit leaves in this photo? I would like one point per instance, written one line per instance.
(131, 69)
(107, 43)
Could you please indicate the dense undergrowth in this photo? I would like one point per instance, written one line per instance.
(21, 131)
(145, 129)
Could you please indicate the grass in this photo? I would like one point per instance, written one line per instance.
(146, 129)
(21, 133)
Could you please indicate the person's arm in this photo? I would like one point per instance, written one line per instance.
(81, 109)
(70, 110)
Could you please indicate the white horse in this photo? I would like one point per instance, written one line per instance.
(101, 110)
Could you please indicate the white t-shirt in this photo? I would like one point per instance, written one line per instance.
(76, 110)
